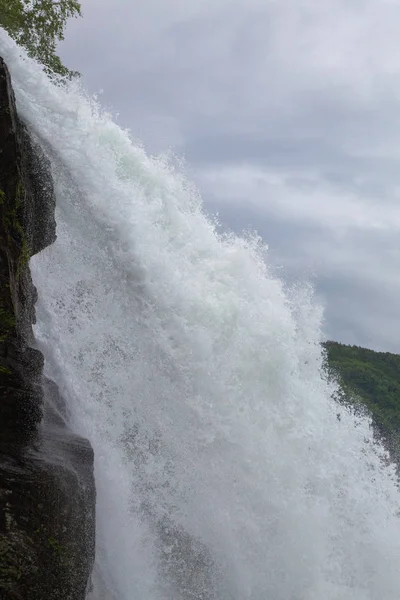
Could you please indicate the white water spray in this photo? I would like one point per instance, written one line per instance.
(222, 472)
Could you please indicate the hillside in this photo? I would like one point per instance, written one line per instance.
(373, 378)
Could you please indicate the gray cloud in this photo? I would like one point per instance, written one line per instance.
(287, 114)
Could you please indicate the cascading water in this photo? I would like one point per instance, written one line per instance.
(222, 471)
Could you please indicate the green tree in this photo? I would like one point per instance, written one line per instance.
(38, 25)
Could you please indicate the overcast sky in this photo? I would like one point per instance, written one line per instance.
(288, 115)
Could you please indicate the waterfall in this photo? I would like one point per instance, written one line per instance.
(222, 472)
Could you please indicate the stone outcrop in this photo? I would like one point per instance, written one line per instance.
(47, 493)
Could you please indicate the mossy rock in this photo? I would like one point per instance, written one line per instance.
(47, 492)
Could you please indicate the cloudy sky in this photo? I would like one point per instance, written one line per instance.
(288, 115)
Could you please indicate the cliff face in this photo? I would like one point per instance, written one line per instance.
(47, 493)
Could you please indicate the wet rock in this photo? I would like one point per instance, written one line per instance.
(47, 492)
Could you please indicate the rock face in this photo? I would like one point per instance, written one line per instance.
(47, 492)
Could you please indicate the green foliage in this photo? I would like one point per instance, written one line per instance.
(38, 25)
(13, 228)
(55, 545)
(370, 377)
(7, 322)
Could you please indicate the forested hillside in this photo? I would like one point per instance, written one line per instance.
(372, 377)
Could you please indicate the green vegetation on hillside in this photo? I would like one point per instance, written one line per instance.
(371, 377)
(38, 25)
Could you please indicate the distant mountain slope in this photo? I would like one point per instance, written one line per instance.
(373, 378)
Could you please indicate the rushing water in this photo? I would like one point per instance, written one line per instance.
(222, 471)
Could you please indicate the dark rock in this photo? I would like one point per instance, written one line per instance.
(47, 493)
